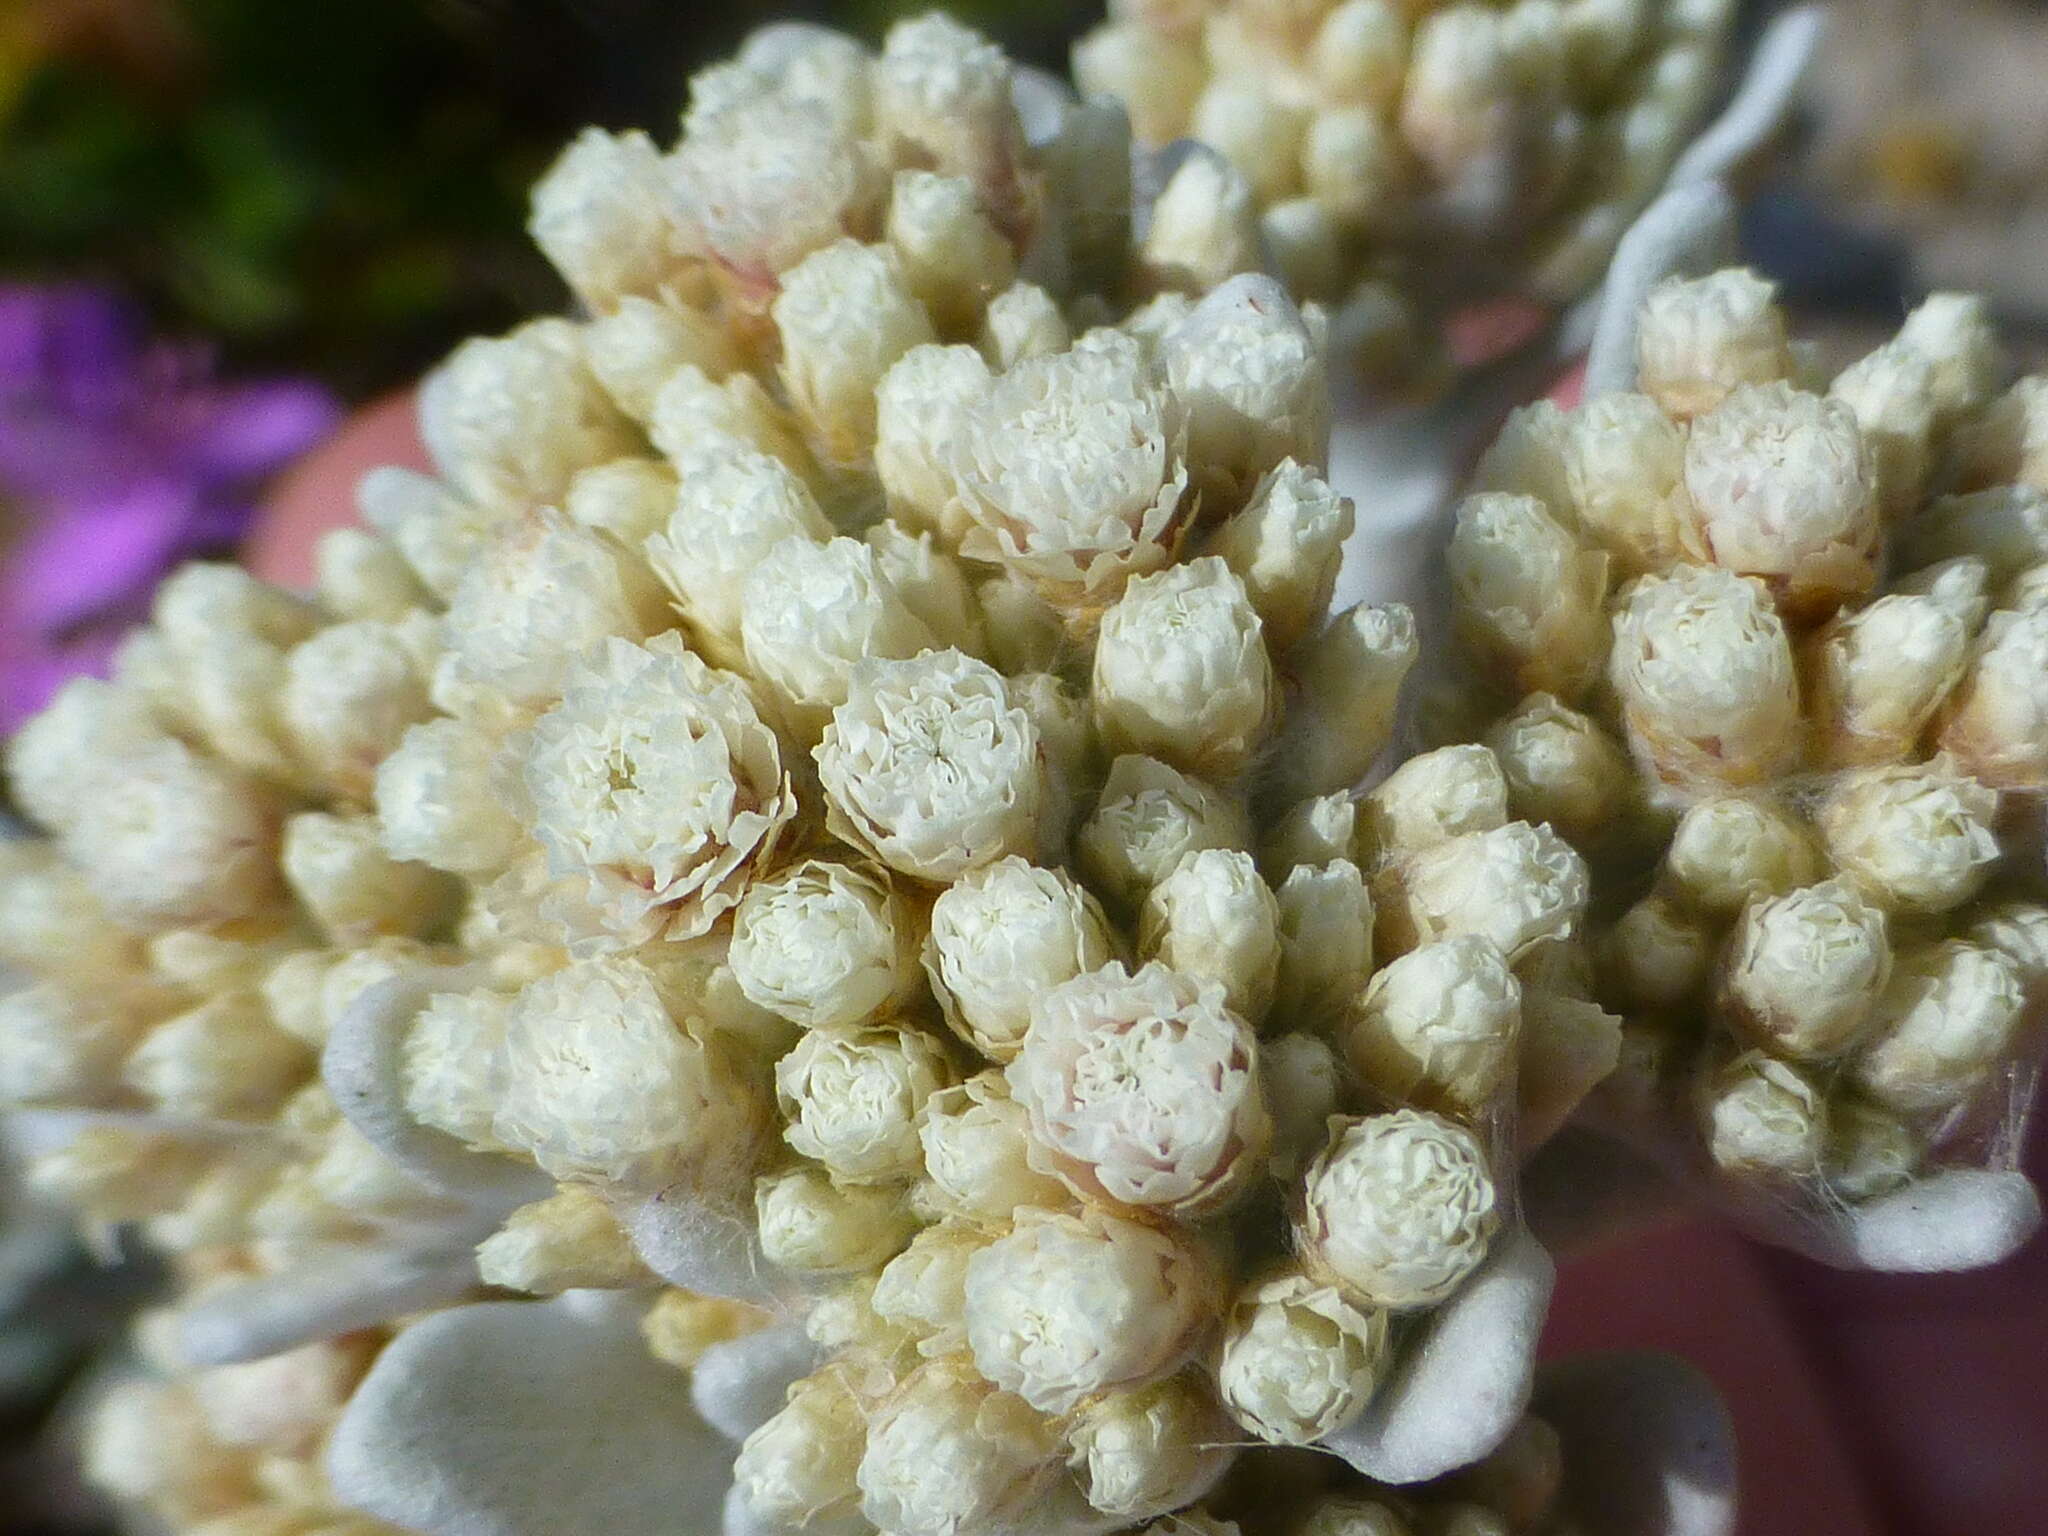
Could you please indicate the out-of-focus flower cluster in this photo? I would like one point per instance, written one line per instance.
(844, 775)
(1391, 156)
(1770, 648)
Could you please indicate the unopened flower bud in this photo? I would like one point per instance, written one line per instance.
(571, 1240)
(1431, 799)
(1066, 1306)
(1023, 322)
(1157, 77)
(1257, 132)
(1698, 340)
(437, 802)
(1869, 1151)
(1326, 930)
(339, 870)
(1205, 226)
(1284, 546)
(2005, 527)
(1804, 968)
(1311, 831)
(923, 1290)
(1949, 1014)
(627, 498)
(1880, 673)
(1438, 1026)
(451, 1066)
(224, 1060)
(1891, 394)
(1530, 458)
(1562, 768)
(638, 346)
(1145, 1451)
(2019, 931)
(953, 258)
(1730, 851)
(1213, 919)
(1656, 954)
(1996, 726)
(1516, 885)
(1351, 676)
(822, 944)
(1300, 1360)
(1955, 333)
(1624, 468)
(1400, 1208)
(1762, 1119)
(599, 216)
(800, 1470)
(1530, 600)
(1913, 839)
(1148, 818)
(845, 314)
(680, 1325)
(852, 1100)
(812, 1223)
(360, 574)
(976, 1142)
(1353, 1517)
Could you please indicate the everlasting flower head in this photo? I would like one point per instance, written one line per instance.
(1300, 1359)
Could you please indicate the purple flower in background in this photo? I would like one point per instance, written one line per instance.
(119, 457)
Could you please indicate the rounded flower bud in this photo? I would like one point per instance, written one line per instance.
(1624, 469)
(350, 692)
(1303, 1086)
(599, 216)
(943, 95)
(1212, 919)
(1949, 1015)
(451, 1065)
(626, 498)
(852, 1100)
(1066, 1306)
(602, 1084)
(812, 1223)
(571, 1240)
(1400, 1208)
(1181, 671)
(1528, 458)
(1148, 818)
(1781, 487)
(655, 783)
(1430, 799)
(1300, 1360)
(800, 1470)
(1656, 954)
(1516, 885)
(1151, 1449)
(63, 1046)
(2019, 931)
(1997, 724)
(1704, 672)
(640, 344)
(1955, 333)
(1205, 226)
(680, 1326)
(1869, 1151)
(1155, 76)
(1326, 923)
(437, 800)
(1913, 839)
(1879, 674)
(1353, 1517)
(1563, 769)
(948, 1453)
(1351, 676)
(1284, 546)
(822, 944)
(338, 869)
(1438, 1026)
(1804, 968)
(224, 1060)
(1529, 599)
(1699, 340)
(930, 767)
(1728, 852)
(1762, 1119)
(952, 257)
(1023, 321)
(1258, 133)
(977, 1142)
(844, 314)
(1002, 936)
(1891, 394)
(1143, 1089)
(922, 408)
(811, 612)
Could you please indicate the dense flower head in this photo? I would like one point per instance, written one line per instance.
(1816, 616)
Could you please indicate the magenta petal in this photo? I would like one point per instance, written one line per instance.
(253, 429)
(88, 560)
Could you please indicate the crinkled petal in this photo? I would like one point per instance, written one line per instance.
(1649, 1449)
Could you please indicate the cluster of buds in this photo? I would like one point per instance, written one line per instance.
(838, 795)
(1770, 648)
(1357, 142)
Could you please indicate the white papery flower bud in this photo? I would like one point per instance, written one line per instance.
(953, 258)
(823, 945)
(1004, 935)
(1213, 919)
(1181, 670)
(799, 1471)
(1956, 334)
(1353, 1517)
(337, 867)
(767, 180)
(1299, 1359)
(1259, 133)
(437, 800)
(1561, 767)
(1399, 1208)
(1704, 672)
(844, 315)
(1251, 376)
(1879, 674)
(923, 1290)
(627, 498)
(538, 595)
(59, 1045)
(1997, 723)
(1781, 486)
(1065, 469)
(1204, 226)
(852, 1100)
(2019, 931)
(1351, 676)
(452, 1065)
(1023, 322)
(948, 1453)
(1803, 969)
(931, 768)
(1657, 954)
(1530, 600)
(680, 1326)
(922, 409)
(1913, 839)
(1304, 1084)
(812, 1223)
(1430, 799)
(53, 757)
(1528, 458)
(1305, 250)
(933, 585)
(571, 1240)
(1699, 340)
(1624, 469)
(1354, 166)
(602, 1084)
(655, 784)
(1284, 546)
(1066, 1306)
(1869, 1151)
(350, 692)
(1326, 929)
(1143, 1090)
(224, 1060)
(359, 574)
(433, 529)
(1891, 394)
(509, 420)
(598, 216)
(1148, 818)
(1949, 1015)
(2006, 442)
(643, 343)
(1728, 852)
(1311, 831)
(1456, 103)
(943, 97)
(1360, 52)
(810, 612)
(1151, 1449)
(1438, 1027)
(1516, 885)
(976, 1141)
(694, 415)
(1154, 76)
(1762, 1119)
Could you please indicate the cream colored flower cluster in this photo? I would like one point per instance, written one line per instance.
(1362, 139)
(1784, 634)
(849, 753)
